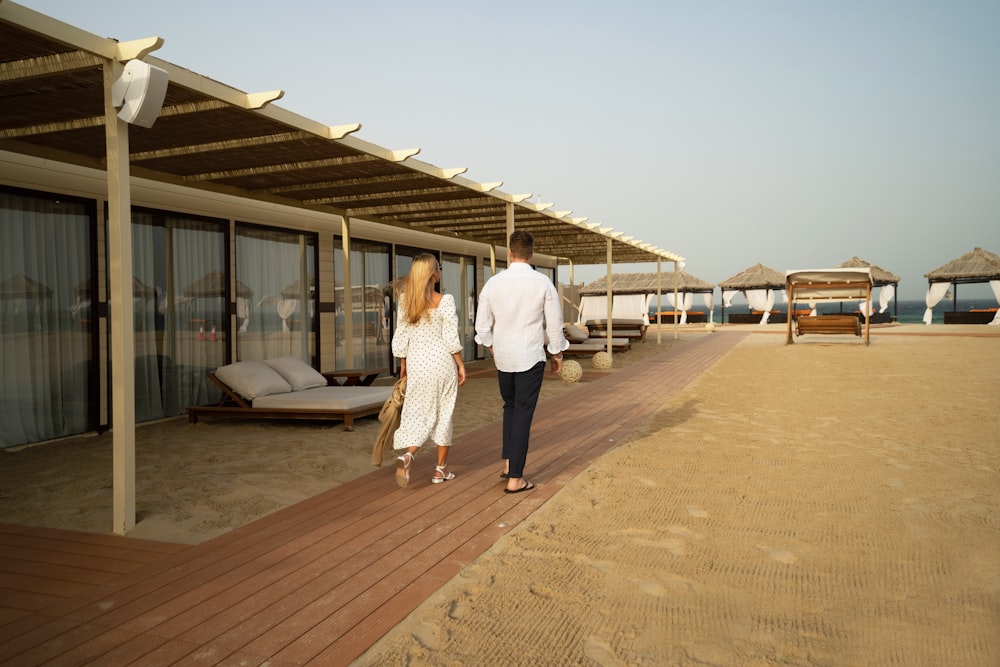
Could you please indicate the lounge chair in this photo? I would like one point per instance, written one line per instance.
(631, 328)
(582, 342)
(289, 388)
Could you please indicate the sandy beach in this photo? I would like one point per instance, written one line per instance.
(824, 503)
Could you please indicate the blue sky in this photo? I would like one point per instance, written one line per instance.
(793, 133)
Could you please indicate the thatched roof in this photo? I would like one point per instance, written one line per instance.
(213, 284)
(879, 275)
(645, 283)
(757, 276)
(975, 266)
(20, 286)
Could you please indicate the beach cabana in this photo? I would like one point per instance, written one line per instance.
(637, 292)
(889, 282)
(975, 266)
(758, 284)
(839, 284)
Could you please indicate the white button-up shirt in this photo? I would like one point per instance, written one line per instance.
(518, 307)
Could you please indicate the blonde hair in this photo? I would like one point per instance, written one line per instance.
(416, 288)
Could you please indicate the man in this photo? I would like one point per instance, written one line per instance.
(517, 308)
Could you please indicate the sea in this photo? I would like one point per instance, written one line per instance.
(906, 312)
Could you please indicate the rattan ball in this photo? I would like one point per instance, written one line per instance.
(710, 327)
(571, 371)
(601, 361)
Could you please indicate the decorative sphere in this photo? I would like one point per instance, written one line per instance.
(571, 371)
(602, 361)
(710, 327)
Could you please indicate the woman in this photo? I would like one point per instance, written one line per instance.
(426, 341)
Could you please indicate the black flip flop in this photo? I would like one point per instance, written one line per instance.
(528, 486)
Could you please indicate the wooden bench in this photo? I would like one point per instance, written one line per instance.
(827, 324)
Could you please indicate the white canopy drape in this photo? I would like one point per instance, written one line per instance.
(761, 299)
(995, 286)
(286, 308)
(626, 306)
(935, 292)
(885, 296)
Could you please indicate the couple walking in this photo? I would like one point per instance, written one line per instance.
(517, 308)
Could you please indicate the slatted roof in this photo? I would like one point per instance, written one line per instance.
(214, 137)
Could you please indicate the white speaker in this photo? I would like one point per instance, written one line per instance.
(139, 91)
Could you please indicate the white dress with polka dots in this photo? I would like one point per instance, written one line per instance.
(431, 375)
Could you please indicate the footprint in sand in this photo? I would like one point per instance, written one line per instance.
(601, 653)
(780, 555)
(697, 512)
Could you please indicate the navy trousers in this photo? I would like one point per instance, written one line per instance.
(520, 396)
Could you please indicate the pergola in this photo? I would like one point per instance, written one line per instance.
(57, 84)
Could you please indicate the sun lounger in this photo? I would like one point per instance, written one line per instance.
(583, 342)
(288, 388)
(632, 329)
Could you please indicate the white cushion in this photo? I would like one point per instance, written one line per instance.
(297, 373)
(251, 379)
(327, 398)
(575, 333)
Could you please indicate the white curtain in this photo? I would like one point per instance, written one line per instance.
(995, 286)
(935, 292)
(593, 308)
(687, 300)
(727, 297)
(761, 299)
(243, 312)
(812, 308)
(709, 300)
(885, 296)
(630, 306)
(286, 308)
(45, 357)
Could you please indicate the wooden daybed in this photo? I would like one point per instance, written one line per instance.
(974, 316)
(583, 343)
(299, 392)
(633, 329)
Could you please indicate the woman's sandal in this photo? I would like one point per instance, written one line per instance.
(403, 469)
(441, 475)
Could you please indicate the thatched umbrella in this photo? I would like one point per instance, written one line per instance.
(215, 284)
(757, 277)
(975, 266)
(20, 286)
(889, 282)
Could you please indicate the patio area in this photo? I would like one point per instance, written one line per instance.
(321, 581)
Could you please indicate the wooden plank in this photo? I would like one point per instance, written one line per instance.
(324, 579)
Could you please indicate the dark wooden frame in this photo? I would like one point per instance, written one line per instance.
(828, 324)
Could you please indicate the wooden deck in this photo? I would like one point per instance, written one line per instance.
(321, 581)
